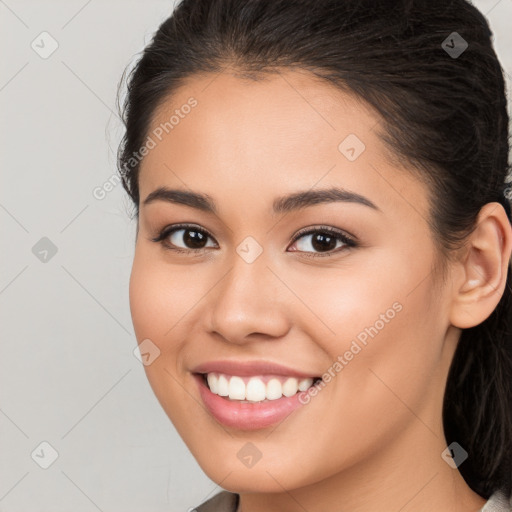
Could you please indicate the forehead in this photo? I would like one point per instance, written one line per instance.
(278, 112)
(286, 131)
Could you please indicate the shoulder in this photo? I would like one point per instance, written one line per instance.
(498, 502)
(222, 502)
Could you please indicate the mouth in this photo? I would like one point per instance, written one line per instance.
(250, 395)
(256, 388)
(251, 402)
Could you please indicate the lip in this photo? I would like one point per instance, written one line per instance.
(245, 415)
(250, 368)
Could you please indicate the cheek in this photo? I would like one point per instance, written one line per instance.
(390, 368)
(364, 301)
(159, 298)
(163, 299)
(384, 338)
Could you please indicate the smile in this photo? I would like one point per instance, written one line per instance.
(251, 402)
(258, 388)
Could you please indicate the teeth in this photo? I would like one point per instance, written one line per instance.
(274, 389)
(213, 383)
(255, 389)
(236, 388)
(290, 387)
(222, 386)
(305, 384)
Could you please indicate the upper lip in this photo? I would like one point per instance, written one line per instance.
(249, 368)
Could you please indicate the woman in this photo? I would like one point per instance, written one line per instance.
(322, 262)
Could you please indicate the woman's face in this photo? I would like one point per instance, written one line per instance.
(367, 315)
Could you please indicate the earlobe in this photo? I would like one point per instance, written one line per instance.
(485, 267)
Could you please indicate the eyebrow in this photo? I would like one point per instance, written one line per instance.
(284, 204)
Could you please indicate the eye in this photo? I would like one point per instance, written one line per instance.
(192, 237)
(324, 239)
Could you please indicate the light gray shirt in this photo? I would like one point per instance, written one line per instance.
(228, 502)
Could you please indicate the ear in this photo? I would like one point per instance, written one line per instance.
(486, 260)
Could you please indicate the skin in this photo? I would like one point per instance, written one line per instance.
(372, 438)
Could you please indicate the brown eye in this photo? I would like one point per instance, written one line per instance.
(183, 238)
(323, 240)
(192, 238)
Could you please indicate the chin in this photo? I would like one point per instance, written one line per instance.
(250, 481)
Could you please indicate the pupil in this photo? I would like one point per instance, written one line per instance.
(323, 241)
(194, 241)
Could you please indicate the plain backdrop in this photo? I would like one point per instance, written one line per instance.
(73, 396)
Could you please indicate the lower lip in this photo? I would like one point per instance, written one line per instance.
(244, 415)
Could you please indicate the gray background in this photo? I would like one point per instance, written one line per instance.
(68, 374)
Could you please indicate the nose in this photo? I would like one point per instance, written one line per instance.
(249, 303)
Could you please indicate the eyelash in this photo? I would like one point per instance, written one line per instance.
(166, 232)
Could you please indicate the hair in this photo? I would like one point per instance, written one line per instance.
(444, 116)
